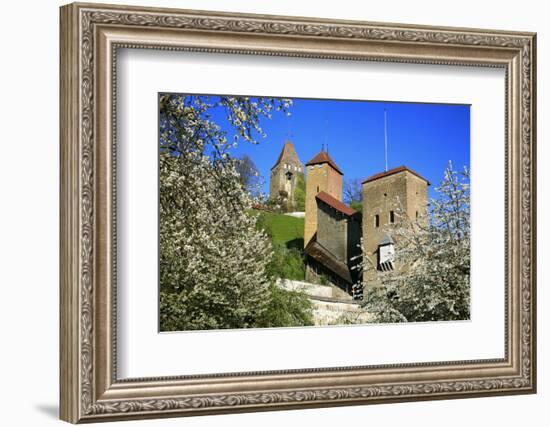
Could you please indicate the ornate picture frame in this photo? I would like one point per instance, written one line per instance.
(90, 37)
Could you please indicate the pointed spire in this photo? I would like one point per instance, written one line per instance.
(288, 155)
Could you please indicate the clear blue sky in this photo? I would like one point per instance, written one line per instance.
(423, 137)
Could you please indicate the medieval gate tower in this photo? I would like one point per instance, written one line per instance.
(322, 175)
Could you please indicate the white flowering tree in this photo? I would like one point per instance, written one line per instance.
(432, 280)
(213, 258)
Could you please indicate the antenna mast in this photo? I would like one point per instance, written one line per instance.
(325, 146)
(386, 139)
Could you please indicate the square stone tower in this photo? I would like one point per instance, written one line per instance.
(384, 195)
(322, 175)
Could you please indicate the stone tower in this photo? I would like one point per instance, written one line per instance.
(286, 176)
(322, 175)
(384, 194)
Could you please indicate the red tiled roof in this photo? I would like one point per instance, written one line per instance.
(288, 155)
(335, 203)
(323, 157)
(394, 171)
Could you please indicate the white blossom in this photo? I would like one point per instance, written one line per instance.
(213, 258)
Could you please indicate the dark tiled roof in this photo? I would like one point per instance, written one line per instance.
(325, 258)
(336, 204)
(386, 240)
(393, 171)
(323, 157)
(288, 155)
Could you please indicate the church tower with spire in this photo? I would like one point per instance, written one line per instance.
(287, 176)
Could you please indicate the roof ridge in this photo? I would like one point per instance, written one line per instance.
(323, 157)
(335, 203)
(392, 171)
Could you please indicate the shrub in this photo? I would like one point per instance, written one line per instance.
(286, 263)
(286, 308)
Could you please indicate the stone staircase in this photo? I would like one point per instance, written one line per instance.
(331, 305)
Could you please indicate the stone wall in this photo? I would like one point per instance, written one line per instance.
(320, 177)
(317, 273)
(332, 231)
(279, 182)
(331, 306)
(354, 234)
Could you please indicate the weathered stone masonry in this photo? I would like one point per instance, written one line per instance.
(285, 176)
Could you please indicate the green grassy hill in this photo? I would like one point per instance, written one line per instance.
(283, 229)
(287, 235)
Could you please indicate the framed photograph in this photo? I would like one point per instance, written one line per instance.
(268, 212)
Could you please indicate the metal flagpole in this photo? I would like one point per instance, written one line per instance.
(386, 138)
(325, 147)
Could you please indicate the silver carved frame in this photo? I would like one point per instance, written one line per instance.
(90, 36)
